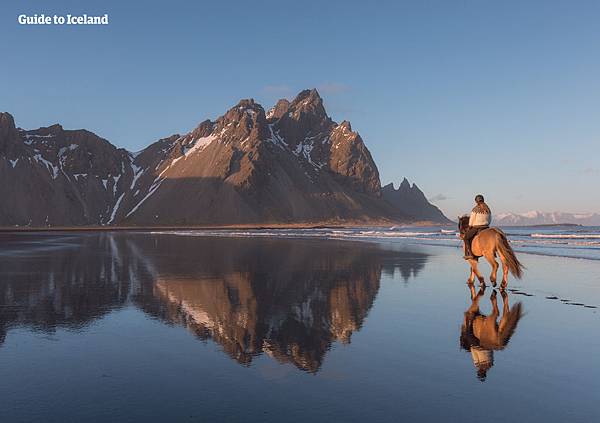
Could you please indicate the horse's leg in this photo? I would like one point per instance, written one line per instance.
(492, 261)
(494, 301)
(504, 272)
(474, 308)
(471, 276)
(473, 293)
(475, 270)
(505, 309)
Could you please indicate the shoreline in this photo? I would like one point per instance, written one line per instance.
(220, 227)
(379, 233)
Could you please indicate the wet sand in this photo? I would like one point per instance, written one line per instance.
(155, 327)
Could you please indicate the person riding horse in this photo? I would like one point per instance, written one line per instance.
(483, 241)
(480, 219)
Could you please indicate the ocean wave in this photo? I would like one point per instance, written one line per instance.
(396, 234)
(567, 236)
(564, 245)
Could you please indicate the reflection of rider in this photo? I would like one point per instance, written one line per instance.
(480, 219)
(481, 334)
(483, 358)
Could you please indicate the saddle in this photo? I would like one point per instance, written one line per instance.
(470, 235)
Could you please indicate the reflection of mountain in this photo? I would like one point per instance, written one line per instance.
(64, 281)
(290, 299)
(409, 264)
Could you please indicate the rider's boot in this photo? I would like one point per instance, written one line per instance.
(468, 254)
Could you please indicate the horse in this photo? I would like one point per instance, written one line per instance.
(489, 243)
(481, 335)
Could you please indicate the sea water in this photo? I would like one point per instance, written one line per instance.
(160, 327)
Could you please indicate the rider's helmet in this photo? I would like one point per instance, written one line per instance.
(479, 198)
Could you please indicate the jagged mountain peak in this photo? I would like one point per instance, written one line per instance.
(343, 133)
(345, 125)
(10, 145)
(405, 186)
(245, 107)
(248, 103)
(411, 200)
(307, 103)
(310, 95)
(297, 165)
(58, 128)
(245, 110)
(204, 129)
(280, 109)
(245, 120)
(6, 120)
(7, 126)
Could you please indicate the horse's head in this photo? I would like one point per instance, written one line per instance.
(463, 225)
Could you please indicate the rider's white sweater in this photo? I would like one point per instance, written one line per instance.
(480, 215)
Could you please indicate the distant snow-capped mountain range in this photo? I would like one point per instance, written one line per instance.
(546, 218)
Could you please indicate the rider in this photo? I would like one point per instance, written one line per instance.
(480, 219)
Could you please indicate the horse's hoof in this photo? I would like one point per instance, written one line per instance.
(494, 284)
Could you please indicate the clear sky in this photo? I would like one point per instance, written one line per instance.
(461, 97)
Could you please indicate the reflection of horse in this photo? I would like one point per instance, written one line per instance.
(489, 243)
(481, 335)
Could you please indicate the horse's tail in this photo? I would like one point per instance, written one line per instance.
(514, 265)
(512, 319)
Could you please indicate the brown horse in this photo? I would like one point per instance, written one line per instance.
(481, 334)
(489, 243)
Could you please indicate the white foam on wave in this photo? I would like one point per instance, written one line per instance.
(565, 245)
(394, 234)
(567, 236)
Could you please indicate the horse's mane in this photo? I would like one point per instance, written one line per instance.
(463, 224)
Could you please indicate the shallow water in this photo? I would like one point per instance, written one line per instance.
(161, 327)
(556, 241)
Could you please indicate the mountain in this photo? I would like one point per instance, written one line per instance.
(411, 201)
(292, 164)
(546, 218)
(58, 177)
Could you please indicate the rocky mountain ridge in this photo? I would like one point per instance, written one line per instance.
(290, 165)
(412, 201)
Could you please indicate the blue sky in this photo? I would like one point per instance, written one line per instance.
(461, 97)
